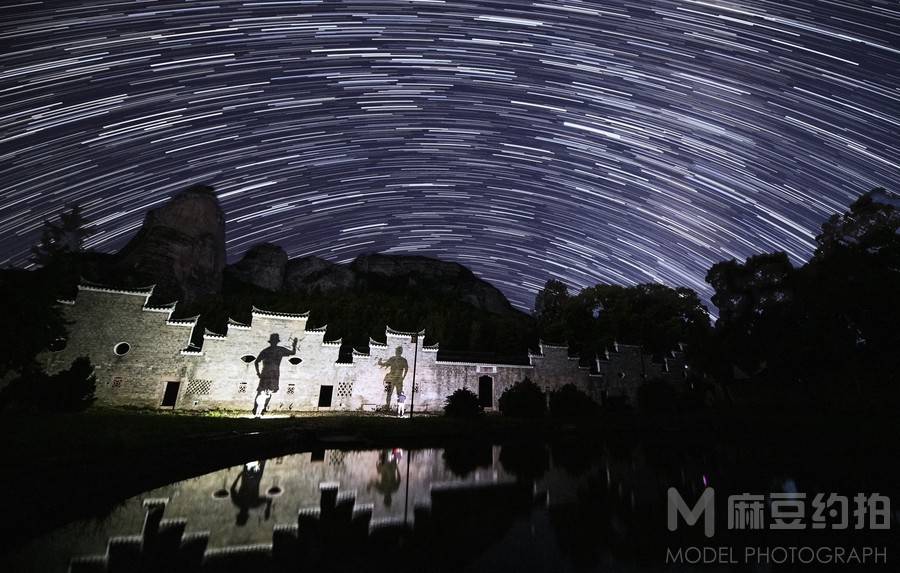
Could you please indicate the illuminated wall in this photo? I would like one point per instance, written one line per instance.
(143, 358)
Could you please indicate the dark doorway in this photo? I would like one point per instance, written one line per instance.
(486, 392)
(325, 396)
(171, 394)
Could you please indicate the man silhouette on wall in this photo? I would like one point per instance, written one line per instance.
(393, 380)
(270, 357)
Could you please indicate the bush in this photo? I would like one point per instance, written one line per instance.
(69, 390)
(74, 388)
(657, 397)
(463, 403)
(524, 400)
(569, 401)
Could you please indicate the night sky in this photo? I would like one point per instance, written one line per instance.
(589, 141)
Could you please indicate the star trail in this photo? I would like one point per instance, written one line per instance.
(617, 142)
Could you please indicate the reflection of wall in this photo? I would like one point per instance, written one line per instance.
(298, 477)
(216, 377)
(337, 534)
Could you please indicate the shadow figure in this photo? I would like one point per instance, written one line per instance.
(388, 470)
(270, 357)
(246, 495)
(393, 380)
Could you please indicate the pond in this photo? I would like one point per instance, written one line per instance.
(560, 506)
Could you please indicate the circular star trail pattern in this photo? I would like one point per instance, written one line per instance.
(588, 141)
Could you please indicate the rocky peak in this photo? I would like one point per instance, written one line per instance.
(448, 278)
(262, 265)
(180, 247)
(307, 274)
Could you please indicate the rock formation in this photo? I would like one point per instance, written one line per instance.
(312, 274)
(180, 247)
(263, 265)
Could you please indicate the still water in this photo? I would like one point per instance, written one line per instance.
(562, 506)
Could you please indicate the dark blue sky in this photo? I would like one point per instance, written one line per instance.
(588, 141)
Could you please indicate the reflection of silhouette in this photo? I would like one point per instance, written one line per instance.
(388, 474)
(393, 380)
(271, 371)
(246, 495)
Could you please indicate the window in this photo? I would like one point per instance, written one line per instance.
(121, 349)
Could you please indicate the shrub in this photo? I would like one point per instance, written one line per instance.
(74, 388)
(524, 400)
(657, 397)
(70, 390)
(569, 401)
(463, 403)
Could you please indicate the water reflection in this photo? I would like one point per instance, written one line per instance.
(563, 506)
(246, 495)
(388, 472)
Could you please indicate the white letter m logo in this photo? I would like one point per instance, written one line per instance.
(705, 506)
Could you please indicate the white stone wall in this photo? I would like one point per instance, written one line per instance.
(215, 376)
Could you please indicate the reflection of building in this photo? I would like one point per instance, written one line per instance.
(321, 537)
(143, 358)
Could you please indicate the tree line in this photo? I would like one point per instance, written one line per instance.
(826, 330)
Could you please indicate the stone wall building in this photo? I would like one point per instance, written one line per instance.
(144, 358)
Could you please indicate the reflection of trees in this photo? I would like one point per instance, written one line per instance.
(526, 461)
(463, 460)
(572, 456)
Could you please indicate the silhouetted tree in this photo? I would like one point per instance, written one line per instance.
(755, 300)
(652, 315)
(657, 397)
(523, 399)
(60, 245)
(550, 309)
(569, 401)
(462, 403)
(62, 238)
(70, 390)
(31, 319)
(829, 326)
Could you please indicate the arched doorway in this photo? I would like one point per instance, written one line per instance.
(486, 392)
